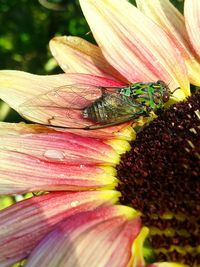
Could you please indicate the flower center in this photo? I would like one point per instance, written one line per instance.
(160, 177)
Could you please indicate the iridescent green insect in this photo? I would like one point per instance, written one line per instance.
(127, 103)
(91, 107)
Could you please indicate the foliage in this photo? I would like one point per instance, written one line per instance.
(28, 27)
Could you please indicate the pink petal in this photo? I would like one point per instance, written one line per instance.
(102, 237)
(24, 224)
(192, 20)
(47, 160)
(133, 44)
(172, 21)
(36, 97)
(123, 132)
(16, 87)
(75, 55)
(70, 147)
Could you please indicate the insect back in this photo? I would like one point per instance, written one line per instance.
(113, 107)
(152, 95)
(117, 105)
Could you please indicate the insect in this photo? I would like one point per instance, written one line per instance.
(90, 107)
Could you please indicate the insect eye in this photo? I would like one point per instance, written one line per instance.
(160, 82)
(165, 97)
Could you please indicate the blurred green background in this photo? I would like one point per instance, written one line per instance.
(27, 27)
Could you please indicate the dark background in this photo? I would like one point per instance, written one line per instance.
(26, 28)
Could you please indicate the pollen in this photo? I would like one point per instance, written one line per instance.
(159, 176)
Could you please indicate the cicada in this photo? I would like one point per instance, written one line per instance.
(91, 107)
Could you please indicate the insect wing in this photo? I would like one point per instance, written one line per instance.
(120, 108)
(63, 106)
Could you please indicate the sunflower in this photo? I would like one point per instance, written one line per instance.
(85, 175)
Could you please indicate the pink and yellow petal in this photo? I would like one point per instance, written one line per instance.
(123, 132)
(21, 173)
(24, 224)
(16, 87)
(102, 237)
(172, 21)
(38, 98)
(192, 20)
(56, 146)
(47, 160)
(76, 55)
(138, 48)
